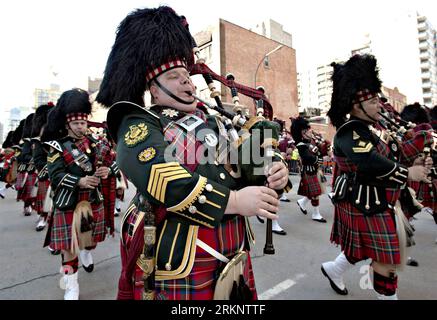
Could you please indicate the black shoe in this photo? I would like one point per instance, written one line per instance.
(412, 262)
(333, 285)
(303, 211)
(281, 233)
(259, 219)
(54, 252)
(322, 220)
(90, 268)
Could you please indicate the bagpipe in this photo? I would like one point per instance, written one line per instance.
(397, 134)
(8, 167)
(244, 131)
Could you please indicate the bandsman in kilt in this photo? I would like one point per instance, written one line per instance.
(188, 218)
(7, 164)
(39, 154)
(312, 182)
(426, 192)
(368, 220)
(76, 162)
(26, 187)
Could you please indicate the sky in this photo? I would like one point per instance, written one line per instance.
(72, 39)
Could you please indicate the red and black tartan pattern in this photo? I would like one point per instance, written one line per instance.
(363, 237)
(309, 186)
(413, 147)
(38, 205)
(62, 220)
(25, 194)
(185, 144)
(19, 183)
(109, 195)
(200, 283)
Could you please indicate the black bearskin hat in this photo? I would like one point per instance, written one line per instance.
(74, 102)
(16, 138)
(40, 118)
(146, 39)
(355, 81)
(297, 125)
(433, 115)
(8, 143)
(27, 129)
(415, 113)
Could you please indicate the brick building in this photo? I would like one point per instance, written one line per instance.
(228, 47)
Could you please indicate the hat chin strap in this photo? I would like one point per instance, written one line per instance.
(170, 94)
(362, 108)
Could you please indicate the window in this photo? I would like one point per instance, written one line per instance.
(266, 62)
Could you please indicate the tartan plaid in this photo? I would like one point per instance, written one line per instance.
(43, 186)
(25, 193)
(62, 220)
(309, 185)
(109, 194)
(185, 143)
(200, 283)
(363, 237)
(413, 147)
(20, 180)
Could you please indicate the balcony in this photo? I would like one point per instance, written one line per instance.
(426, 75)
(423, 45)
(423, 36)
(426, 85)
(422, 26)
(424, 55)
(421, 19)
(425, 66)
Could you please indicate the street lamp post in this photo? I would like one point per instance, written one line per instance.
(265, 56)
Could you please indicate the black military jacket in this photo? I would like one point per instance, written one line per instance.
(39, 154)
(192, 197)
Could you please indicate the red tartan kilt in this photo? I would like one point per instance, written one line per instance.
(309, 186)
(62, 221)
(109, 194)
(200, 283)
(362, 237)
(19, 183)
(41, 195)
(25, 194)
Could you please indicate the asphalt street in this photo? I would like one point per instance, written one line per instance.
(29, 271)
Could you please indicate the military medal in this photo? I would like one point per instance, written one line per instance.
(147, 154)
(136, 134)
(170, 113)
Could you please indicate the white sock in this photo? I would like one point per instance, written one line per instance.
(316, 213)
(276, 226)
(303, 202)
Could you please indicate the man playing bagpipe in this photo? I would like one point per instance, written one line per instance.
(368, 219)
(27, 178)
(426, 192)
(311, 152)
(39, 155)
(8, 164)
(76, 162)
(187, 220)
